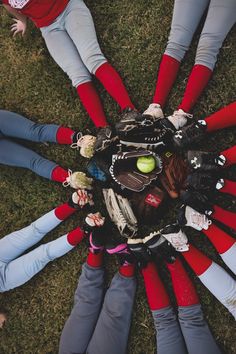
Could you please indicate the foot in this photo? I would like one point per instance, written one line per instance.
(197, 201)
(192, 218)
(140, 251)
(207, 161)
(176, 237)
(78, 180)
(158, 245)
(179, 118)
(204, 182)
(85, 143)
(104, 138)
(81, 198)
(152, 113)
(96, 230)
(121, 250)
(130, 119)
(190, 134)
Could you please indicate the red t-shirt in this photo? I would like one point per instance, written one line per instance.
(41, 12)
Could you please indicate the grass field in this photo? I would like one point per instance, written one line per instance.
(133, 35)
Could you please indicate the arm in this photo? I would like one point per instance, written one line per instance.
(20, 20)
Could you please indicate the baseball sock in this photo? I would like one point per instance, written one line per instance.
(65, 135)
(197, 81)
(63, 211)
(225, 117)
(127, 270)
(155, 290)
(74, 237)
(95, 260)
(92, 103)
(113, 83)
(184, 289)
(229, 187)
(225, 216)
(59, 174)
(167, 73)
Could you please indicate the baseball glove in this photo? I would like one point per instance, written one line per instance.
(125, 173)
(174, 174)
(120, 213)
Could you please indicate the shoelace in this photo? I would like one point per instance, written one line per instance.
(79, 138)
(199, 219)
(66, 183)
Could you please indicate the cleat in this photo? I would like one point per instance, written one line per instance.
(95, 228)
(152, 113)
(104, 138)
(192, 218)
(197, 201)
(85, 143)
(141, 253)
(190, 134)
(122, 251)
(130, 120)
(207, 161)
(176, 237)
(78, 180)
(179, 118)
(80, 198)
(205, 182)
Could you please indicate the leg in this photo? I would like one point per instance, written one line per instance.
(224, 244)
(215, 278)
(14, 244)
(80, 325)
(112, 329)
(196, 332)
(168, 333)
(186, 17)
(220, 18)
(22, 269)
(80, 27)
(224, 118)
(13, 154)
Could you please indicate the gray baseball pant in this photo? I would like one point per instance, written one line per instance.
(221, 16)
(98, 324)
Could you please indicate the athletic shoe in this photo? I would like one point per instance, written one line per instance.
(78, 180)
(153, 113)
(176, 237)
(95, 228)
(155, 140)
(85, 143)
(104, 138)
(129, 121)
(140, 251)
(190, 134)
(207, 161)
(121, 250)
(205, 182)
(190, 217)
(159, 246)
(197, 201)
(80, 198)
(179, 118)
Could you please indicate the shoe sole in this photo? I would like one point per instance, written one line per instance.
(141, 145)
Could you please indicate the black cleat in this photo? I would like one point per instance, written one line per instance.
(198, 201)
(141, 253)
(129, 121)
(207, 161)
(203, 181)
(104, 139)
(190, 134)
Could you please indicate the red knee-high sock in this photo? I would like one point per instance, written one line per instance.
(59, 174)
(197, 260)
(63, 211)
(197, 81)
(230, 155)
(127, 270)
(92, 103)
(229, 187)
(155, 290)
(225, 117)
(184, 289)
(74, 237)
(64, 135)
(167, 73)
(225, 216)
(220, 239)
(113, 83)
(95, 260)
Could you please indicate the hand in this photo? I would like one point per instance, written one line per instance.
(18, 27)
(3, 319)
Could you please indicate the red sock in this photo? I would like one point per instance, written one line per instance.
(76, 236)
(197, 260)
(225, 216)
(64, 135)
(92, 103)
(59, 174)
(127, 270)
(229, 187)
(167, 73)
(220, 239)
(184, 289)
(225, 117)
(155, 290)
(230, 155)
(95, 260)
(113, 83)
(63, 211)
(197, 81)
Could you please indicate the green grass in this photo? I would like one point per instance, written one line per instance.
(133, 35)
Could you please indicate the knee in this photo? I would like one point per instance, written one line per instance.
(178, 43)
(207, 51)
(93, 59)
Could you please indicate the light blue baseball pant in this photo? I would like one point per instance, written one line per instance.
(15, 268)
(72, 42)
(221, 17)
(98, 324)
(14, 126)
